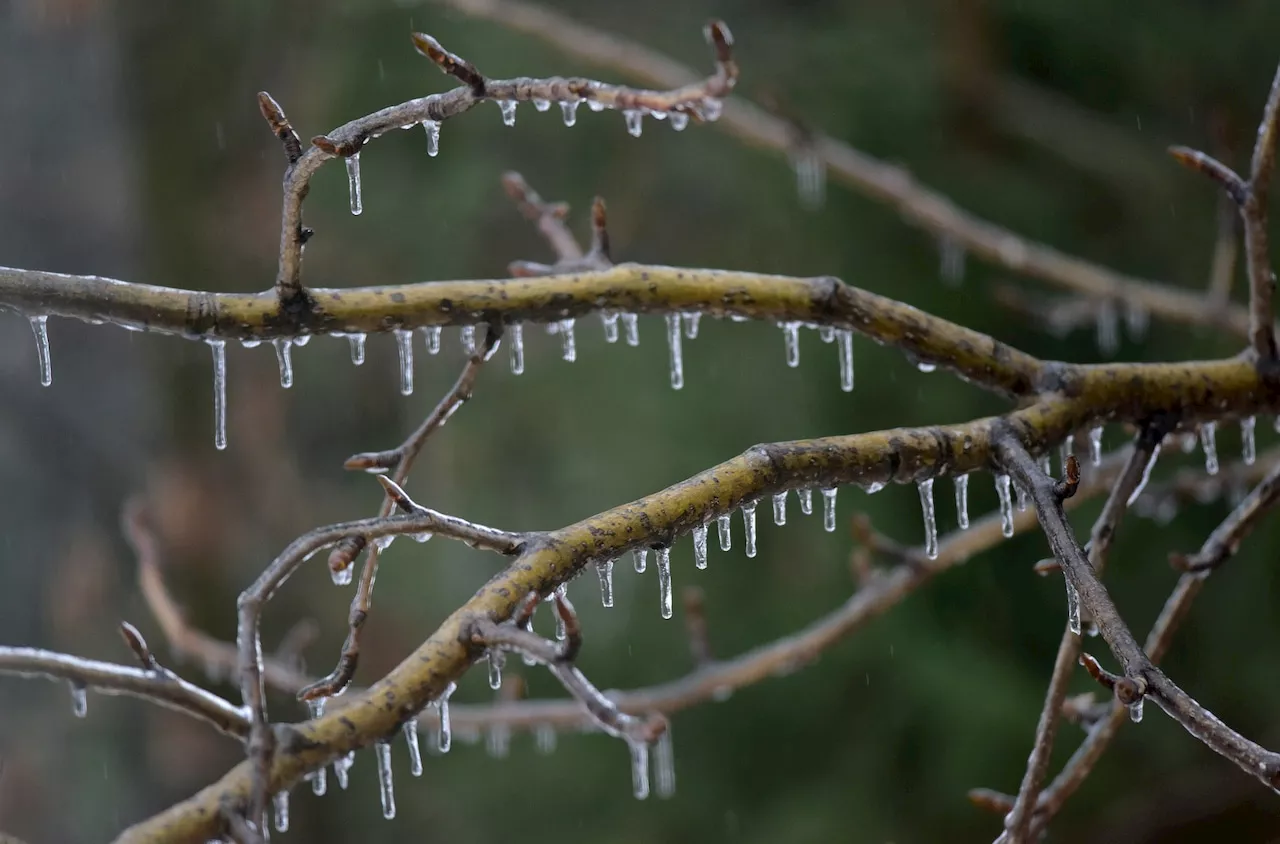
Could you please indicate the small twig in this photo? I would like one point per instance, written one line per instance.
(138, 645)
(1225, 539)
(548, 216)
(695, 625)
(1201, 162)
(280, 126)
(1255, 214)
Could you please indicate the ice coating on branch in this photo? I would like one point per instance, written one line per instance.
(604, 571)
(385, 787)
(664, 766)
(700, 546)
(962, 501)
(445, 733)
(1135, 710)
(844, 347)
(79, 700)
(1146, 476)
(610, 320)
(40, 327)
(673, 347)
(280, 808)
(353, 183)
(635, 122)
(631, 328)
(639, 768)
(1067, 449)
(1006, 505)
(1208, 441)
(806, 500)
(829, 509)
(691, 322)
(431, 337)
(640, 559)
(404, 348)
(433, 137)
(410, 730)
(780, 509)
(1108, 328)
(749, 526)
(930, 518)
(664, 580)
(497, 659)
(724, 528)
(357, 348)
(1095, 445)
(284, 357)
(544, 738)
(1073, 606)
(791, 342)
(952, 254)
(515, 332)
(569, 347)
(1248, 442)
(561, 631)
(569, 111)
(342, 576)
(219, 349)
(1022, 498)
(467, 336)
(508, 109)
(679, 120)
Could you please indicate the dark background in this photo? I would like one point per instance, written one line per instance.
(133, 148)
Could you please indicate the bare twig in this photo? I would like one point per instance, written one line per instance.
(1226, 538)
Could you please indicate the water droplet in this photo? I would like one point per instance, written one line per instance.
(1146, 476)
(673, 347)
(679, 120)
(926, 367)
(791, 342)
(280, 808)
(79, 700)
(952, 255)
(1208, 441)
(711, 109)
(874, 487)
(749, 526)
(635, 122)
(780, 509)
(467, 336)
(691, 321)
(829, 509)
(1108, 328)
(700, 546)
(342, 576)
(284, 356)
(40, 325)
(431, 337)
(595, 105)
(639, 768)
(724, 527)
(640, 559)
(497, 659)
(404, 347)
(962, 501)
(342, 769)
(433, 137)
(1135, 710)
(631, 328)
(665, 766)
(385, 787)
(664, 580)
(544, 737)
(219, 349)
(1006, 505)
(516, 333)
(508, 108)
(410, 730)
(251, 343)
(541, 105)
(1095, 445)
(604, 571)
(1248, 443)
(353, 183)
(844, 347)
(569, 111)
(806, 500)
(930, 518)
(569, 349)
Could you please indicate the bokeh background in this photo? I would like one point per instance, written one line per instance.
(133, 148)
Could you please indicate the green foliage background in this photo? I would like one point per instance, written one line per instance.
(137, 152)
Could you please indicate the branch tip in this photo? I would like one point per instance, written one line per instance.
(454, 65)
(138, 645)
(1227, 178)
(280, 126)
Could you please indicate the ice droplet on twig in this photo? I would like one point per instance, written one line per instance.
(829, 509)
(404, 348)
(1095, 445)
(431, 337)
(679, 120)
(541, 104)
(508, 109)
(639, 768)
(1073, 606)
(826, 333)
(1006, 505)
(467, 337)
(962, 501)
(219, 349)
(640, 559)
(342, 576)
(385, 787)
(40, 326)
(445, 733)
(433, 137)
(631, 328)
(806, 500)
(700, 546)
(319, 778)
(725, 528)
(791, 342)
(951, 254)
(1146, 476)
(665, 766)
(604, 571)
(284, 357)
(79, 700)
(691, 322)
(780, 509)
(410, 730)
(930, 518)
(664, 580)
(610, 320)
(1108, 328)
(515, 332)
(749, 526)
(635, 122)
(342, 769)
(569, 349)
(1248, 443)
(544, 738)
(357, 348)
(497, 659)
(673, 348)
(1135, 710)
(844, 347)
(1208, 441)
(569, 111)
(353, 183)
(280, 808)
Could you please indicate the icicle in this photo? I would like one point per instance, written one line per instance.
(342, 577)
(79, 700)
(342, 769)
(570, 350)
(219, 349)
(1108, 328)
(691, 322)
(467, 336)
(673, 346)
(433, 137)
(829, 509)
(806, 500)
(595, 105)
(711, 109)
(749, 525)
(811, 176)
(445, 734)
(357, 348)
(498, 741)
(1045, 465)
(640, 559)
(497, 659)
(1022, 498)
(250, 343)
(319, 782)
(1208, 441)
(930, 518)
(284, 356)
(1146, 476)
(962, 501)
(953, 255)
(1067, 449)
(410, 729)
(385, 788)
(569, 111)
(604, 571)
(664, 580)
(700, 546)
(639, 768)
(844, 347)
(1248, 444)
(541, 105)
(1135, 710)
(561, 632)
(40, 326)
(1136, 320)
(1006, 505)
(301, 340)
(610, 320)
(544, 737)
(780, 509)
(280, 808)
(791, 341)
(508, 108)
(631, 328)
(724, 528)
(431, 336)
(1073, 606)
(635, 122)
(1095, 445)
(404, 346)
(515, 332)
(874, 487)
(679, 120)
(826, 333)
(353, 183)
(665, 766)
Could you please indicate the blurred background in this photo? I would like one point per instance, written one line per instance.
(134, 149)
